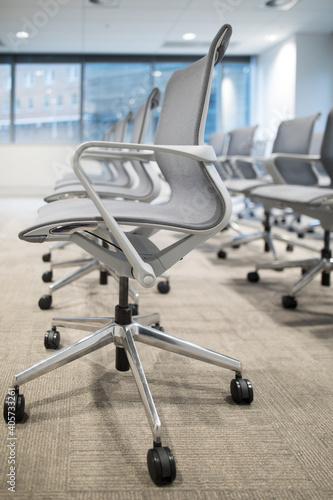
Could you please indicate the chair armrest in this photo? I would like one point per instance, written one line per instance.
(142, 271)
(270, 164)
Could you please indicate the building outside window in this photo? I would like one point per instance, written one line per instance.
(48, 97)
(49, 116)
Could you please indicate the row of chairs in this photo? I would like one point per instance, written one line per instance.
(117, 232)
(290, 179)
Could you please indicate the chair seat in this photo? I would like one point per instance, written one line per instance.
(293, 194)
(187, 217)
(243, 185)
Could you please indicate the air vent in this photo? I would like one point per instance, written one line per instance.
(104, 3)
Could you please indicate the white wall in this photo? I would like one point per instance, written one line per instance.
(31, 170)
(294, 79)
(275, 89)
(314, 70)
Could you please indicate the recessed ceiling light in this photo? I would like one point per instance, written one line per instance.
(22, 34)
(189, 36)
(279, 4)
(271, 38)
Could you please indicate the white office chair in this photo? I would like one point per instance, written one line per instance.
(198, 208)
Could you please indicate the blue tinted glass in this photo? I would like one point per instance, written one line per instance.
(111, 90)
(45, 110)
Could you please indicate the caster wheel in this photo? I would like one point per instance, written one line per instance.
(290, 248)
(289, 302)
(45, 302)
(235, 246)
(241, 391)
(157, 326)
(222, 254)
(300, 235)
(46, 257)
(253, 277)
(13, 409)
(52, 339)
(304, 270)
(161, 465)
(135, 309)
(163, 287)
(266, 247)
(47, 276)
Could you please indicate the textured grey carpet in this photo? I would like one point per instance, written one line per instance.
(85, 435)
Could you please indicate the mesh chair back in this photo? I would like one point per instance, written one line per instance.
(241, 143)
(182, 121)
(326, 151)
(294, 137)
(217, 141)
(142, 116)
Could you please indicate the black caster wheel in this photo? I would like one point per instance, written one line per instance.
(47, 276)
(241, 391)
(266, 247)
(300, 235)
(289, 248)
(222, 254)
(135, 309)
(289, 302)
(235, 246)
(163, 287)
(13, 408)
(46, 257)
(45, 302)
(253, 277)
(304, 270)
(161, 465)
(52, 339)
(157, 326)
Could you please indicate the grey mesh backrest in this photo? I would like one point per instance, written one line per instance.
(182, 121)
(241, 143)
(217, 141)
(326, 151)
(294, 137)
(142, 116)
(121, 127)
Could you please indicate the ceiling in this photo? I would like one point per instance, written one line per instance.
(153, 26)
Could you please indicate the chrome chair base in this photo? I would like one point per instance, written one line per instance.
(124, 331)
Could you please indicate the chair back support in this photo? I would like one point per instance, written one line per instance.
(182, 122)
(241, 143)
(326, 151)
(142, 116)
(217, 141)
(294, 137)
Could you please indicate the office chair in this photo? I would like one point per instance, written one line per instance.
(146, 189)
(109, 171)
(198, 208)
(116, 132)
(315, 202)
(293, 137)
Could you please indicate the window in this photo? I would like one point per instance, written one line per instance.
(48, 115)
(48, 105)
(59, 102)
(49, 77)
(5, 95)
(28, 80)
(111, 90)
(17, 108)
(74, 101)
(30, 105)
